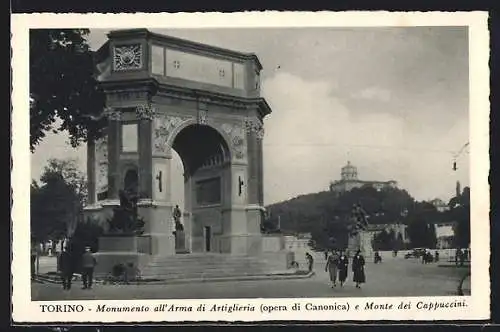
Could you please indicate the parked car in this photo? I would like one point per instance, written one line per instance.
(415, 253)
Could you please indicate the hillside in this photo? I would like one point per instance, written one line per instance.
(305, 212)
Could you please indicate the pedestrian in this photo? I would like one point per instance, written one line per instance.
(358, 269)
(326, 255)
(88, 264)
(33, 260)
(462, 257)
(436, 256)
(66, 268)
(310, 262)
(458, 253)
(332, 267)
(377, 258)
(342, 267)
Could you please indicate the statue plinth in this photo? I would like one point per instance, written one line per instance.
(180, 241)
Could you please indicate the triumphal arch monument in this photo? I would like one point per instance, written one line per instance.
(165, 94)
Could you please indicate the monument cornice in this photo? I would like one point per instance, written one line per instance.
(216, 98)
(186, 45)
(151, 86)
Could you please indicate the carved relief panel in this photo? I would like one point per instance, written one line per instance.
(127, 57)
(163, 126)
(236, 133)
(101, 167)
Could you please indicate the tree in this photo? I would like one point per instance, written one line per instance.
(384, 240)
(56, 205)
(460, 214)
(63, 86)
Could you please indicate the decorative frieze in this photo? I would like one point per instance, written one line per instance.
(254, 125)
(202, 117)
(145, 111)
(236, 134)
(113, 114)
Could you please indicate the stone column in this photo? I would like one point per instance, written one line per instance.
(145, 115)
(246, 236)
(91, 171)
(154, 168)
(114, 146)
(253, 164)
(260, 177)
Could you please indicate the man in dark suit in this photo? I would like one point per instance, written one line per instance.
(66, 268)
(88, 264)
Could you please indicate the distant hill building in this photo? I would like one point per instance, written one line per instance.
(440, 205)
(349, 180)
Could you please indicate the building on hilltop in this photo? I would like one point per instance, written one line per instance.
(349, 180)
(440, 205)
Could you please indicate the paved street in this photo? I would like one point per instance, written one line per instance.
(394, 277)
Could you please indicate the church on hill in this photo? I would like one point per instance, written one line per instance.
(349, 180)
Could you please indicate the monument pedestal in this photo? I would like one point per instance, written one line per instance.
(124, 250)
(180, 242)
(353, 244)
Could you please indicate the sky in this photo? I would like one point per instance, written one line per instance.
(392, 101)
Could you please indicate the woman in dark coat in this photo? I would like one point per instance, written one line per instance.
(343, 266)
(358, 269)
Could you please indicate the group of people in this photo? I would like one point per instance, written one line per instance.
(337, 265)
(461, 256)
(67, 267)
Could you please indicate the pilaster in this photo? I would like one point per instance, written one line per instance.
(114, 146)
(91, 172)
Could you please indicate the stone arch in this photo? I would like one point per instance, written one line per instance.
(192, 122)
(198, 144)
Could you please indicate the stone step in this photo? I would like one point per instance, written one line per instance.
(220, 274)
(199, 266)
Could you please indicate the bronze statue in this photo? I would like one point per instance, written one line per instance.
(177, 219)
(125, 217)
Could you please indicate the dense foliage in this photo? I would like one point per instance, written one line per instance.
(63, 86)
(460, 212)
(327, 217)
(57, 202)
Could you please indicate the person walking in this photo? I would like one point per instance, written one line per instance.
(358, 269)
(436, 256)
(332, 267)
(310, 262)
(342, 267)
(66, 268)
(88, 264)
(377, 258)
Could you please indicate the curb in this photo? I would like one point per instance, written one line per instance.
(42, 279)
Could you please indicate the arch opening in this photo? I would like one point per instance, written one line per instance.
(200, 146)
(200, 160)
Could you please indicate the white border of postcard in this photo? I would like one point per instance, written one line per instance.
(476, 306)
